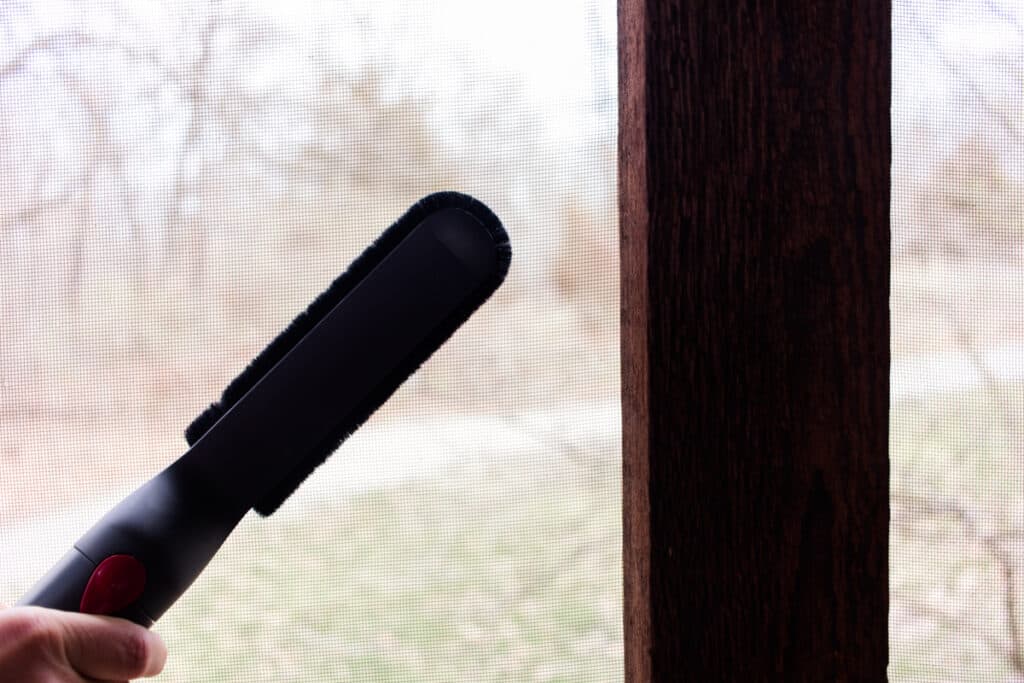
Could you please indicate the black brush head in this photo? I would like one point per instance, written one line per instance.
(433, 337)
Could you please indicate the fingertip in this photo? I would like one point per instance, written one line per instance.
(144, 652)
(157, 654)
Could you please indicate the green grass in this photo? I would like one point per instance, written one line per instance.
(504, 572)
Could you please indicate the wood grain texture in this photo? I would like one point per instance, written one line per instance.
(760, 190)
(633, 222)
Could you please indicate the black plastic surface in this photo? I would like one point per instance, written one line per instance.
(62, 587)
(350, 362)
(311, 388)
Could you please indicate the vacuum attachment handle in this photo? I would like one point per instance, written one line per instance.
(142, 555)
(285, 414)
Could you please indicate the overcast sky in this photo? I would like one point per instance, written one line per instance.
(958, 71)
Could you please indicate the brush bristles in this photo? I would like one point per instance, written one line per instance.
(325, 302)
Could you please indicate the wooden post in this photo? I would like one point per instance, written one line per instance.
(754, 185)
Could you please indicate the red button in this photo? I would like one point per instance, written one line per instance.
(117, 582)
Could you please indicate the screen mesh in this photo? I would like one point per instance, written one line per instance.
(180, 179)
(957, 389)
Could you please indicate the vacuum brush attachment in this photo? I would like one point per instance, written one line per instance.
(381, 319)
(310, 388)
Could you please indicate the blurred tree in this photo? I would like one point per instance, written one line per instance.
(952, 227)
(969, 207)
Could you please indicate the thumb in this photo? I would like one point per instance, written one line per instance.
(111, 649)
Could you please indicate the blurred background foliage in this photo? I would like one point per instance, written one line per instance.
(957, 301)
(179, 179)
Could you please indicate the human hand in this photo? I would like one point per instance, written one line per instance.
(40, 645)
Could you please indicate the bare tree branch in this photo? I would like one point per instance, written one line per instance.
(918, 504)
(1006, 17)
(75, 39)
(196, 89)
(953, 68)
(991, 383)
(919, 609)
(79, 39)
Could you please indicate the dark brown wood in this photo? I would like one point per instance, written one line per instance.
(754, 173)
(633, 224)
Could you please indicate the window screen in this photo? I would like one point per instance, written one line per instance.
(178, 180)
(957, 396)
